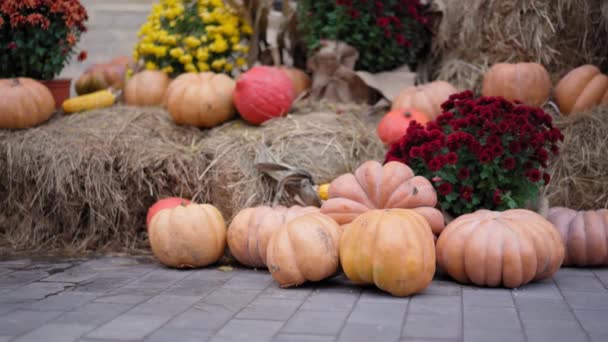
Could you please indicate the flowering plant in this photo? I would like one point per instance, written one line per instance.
(386, 33)
(38, 37)
(481, 153)
(193, 36)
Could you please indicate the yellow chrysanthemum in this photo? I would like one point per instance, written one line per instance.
(202, 66)
(185, 59)
(190, 68)
(176, 52)
(167, 69)
(241, 61)
(151, 65)
(192, 42)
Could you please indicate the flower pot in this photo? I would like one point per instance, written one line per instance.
(60, 88)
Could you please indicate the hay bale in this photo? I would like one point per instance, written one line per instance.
(579, 176)
(560, 34)
(84, 182)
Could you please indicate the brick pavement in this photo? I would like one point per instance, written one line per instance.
(136, 299)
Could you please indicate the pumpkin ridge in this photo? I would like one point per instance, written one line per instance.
(464, 243)
(537, 241)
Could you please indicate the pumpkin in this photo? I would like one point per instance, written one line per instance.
(24, 103)
(165, 203)
(304, 249)
(263, 93)
(528, 83)
(188, 236)
(102, 76)
(300, 80)
(580, 89)
(146, 88)
(394, 124)
(374, 186)
(392, 248)
(427, 98)
(251, 229)
(202, 100)
(584, 234)
(491, 248)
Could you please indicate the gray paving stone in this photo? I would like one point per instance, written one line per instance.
(20, 321)
(602, 275)
(122, 299)
(487, 297)
(5, 270)
(490, 318)
(8, 307)
(551, 331)
(355, 332)
(15, 263)
(202, 317)
(61, 302)
(295, 293)
(269, 309)
(587, 300)
(378, 313)
(72, 275)
(373, 294)
(432, 326)
(483, 335)
(52, 332)
(13, 280)
(194, 287)
(574, 271)
(233, 300)
(303, 338)
(33, 291)
(101, 284)
(92, 314)
(163, 277)
(543, 309)
(316, 322)
(247, 330)
(179, 335)
(443, 288)
(540, 289)
(128, 327)
(439, 305)
(594, 321)
(334, 301)
(249, 279)
(579, 283)
(5, 338)
(163, 305)
(428, 340)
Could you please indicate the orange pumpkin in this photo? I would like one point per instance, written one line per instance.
(584, 234)
(528, 83)
(374, 186)
(426, 98)
(304, 249)
(394, 124)
(251, 229)
(102, 76)
(301, 81)
(202, 100)
(582, 88)
(146, 88)
(24, 103)
(490, 248)
(393, 249)
(188, 236)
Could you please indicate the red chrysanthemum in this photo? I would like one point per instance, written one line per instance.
(508, 164)
(445, 189)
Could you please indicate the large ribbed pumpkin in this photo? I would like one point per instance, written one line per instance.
(491, 248)
(202, 100)
(251, 229)
(263, 93)
(580, 89)
(528, 83)
(426, 98)
(147, 88)
(304, 249)
(584, 233)
(24, 103)
(374, 186)
(188, 236)
(393, 249)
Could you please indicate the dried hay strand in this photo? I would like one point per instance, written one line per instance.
(559, 34)
(83, 183)
(579, 177)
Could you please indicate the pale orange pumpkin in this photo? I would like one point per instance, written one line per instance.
(251, 229)
(581, 89)
(301, 81)
(24, 103)
(528, 83)
(202, 100)
(103, 75)
(146, 88)
(426, 98)
(584, 234)
(491, 248)
(374, 186)
(393, 249)
(304, 249)
(188, 236)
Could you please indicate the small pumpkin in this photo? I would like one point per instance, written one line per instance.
(581, 89)
(24, 103)
(263, 93)
(147, 88)
(304, 249)
(427, 98)
(393, 249)
(374, 186)
(584, 234)
(102, 76)
(188, 236)
(202, 100)
(251, 229)
(300, 80)
(491, 248)
(528, 83)
(165, 203)
(394, 124)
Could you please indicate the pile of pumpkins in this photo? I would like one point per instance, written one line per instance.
(579, 90)
(379, 225)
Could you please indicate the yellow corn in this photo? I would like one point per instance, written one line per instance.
(323, 191)
(98, 99)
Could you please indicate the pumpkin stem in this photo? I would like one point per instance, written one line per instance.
(407, 114)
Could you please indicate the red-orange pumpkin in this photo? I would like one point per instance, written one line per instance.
(165, 203)
(263, 93)
(394, 124)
